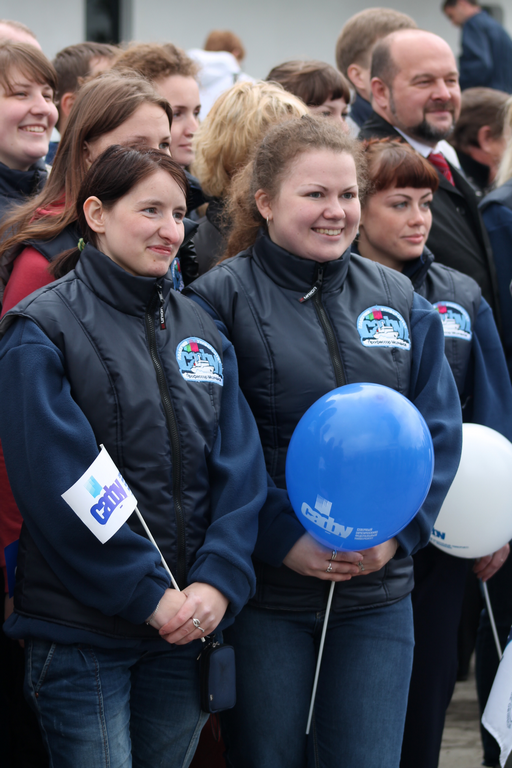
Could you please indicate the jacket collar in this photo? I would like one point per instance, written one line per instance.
(112, 284)
(360, 110)
(20, 184)
(502, 195)
(417, 269)
(376, 126)
(296, 274)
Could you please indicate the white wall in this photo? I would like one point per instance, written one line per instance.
(276, 30)
(272, 30)
(56, 23)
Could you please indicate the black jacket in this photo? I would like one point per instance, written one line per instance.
(292, 352)
(17, 186)
(472, 344)
(458, 237)
(209, 240)
(457, 299)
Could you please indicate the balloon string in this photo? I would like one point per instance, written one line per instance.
(491, 619)
(320, 653)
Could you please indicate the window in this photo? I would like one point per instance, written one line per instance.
(108, 21)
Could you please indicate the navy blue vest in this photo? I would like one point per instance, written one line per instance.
(457, 298)
(300, 329)
(153, 409)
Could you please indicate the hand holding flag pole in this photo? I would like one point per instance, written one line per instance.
(112, 502)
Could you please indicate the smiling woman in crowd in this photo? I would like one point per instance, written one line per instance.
(290, 300)
(103, 357)
(27, 118)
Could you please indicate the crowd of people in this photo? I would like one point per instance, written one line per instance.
(185, 257)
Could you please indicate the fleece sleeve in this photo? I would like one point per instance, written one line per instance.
(238, 491)
(10, 518)
(48, 444)
(476, 61)
(433, 391)
(487, 383)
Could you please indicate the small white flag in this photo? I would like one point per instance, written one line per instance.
(101, 498)
(497, 716)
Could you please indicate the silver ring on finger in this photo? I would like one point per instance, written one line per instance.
(329, 568)
(361, 566)
(334, 554)
(197, 624)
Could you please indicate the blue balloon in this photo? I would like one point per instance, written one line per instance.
(359, 466)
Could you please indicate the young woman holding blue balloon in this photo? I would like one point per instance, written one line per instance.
(395, 223)
(291, 302)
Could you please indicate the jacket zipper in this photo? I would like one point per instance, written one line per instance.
(316, 294)
(173, 432)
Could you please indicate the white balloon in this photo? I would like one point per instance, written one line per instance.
(476, 517)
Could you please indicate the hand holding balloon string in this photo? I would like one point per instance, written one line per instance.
(486, 567)
(309, 558)
(347, 457)
(375, 558)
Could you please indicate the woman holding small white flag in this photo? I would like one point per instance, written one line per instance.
(111, 355)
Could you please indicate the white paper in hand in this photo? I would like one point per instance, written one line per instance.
(101, 498)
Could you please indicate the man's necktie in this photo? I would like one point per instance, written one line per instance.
(439, 162)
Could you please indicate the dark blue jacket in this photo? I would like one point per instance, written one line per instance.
(292, 352)
(360, 110)
(86, 361)
(486, 58)
(473, 345)
(17, 186)
(496, 211)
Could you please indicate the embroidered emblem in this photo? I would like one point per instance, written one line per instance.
(177, 277)
(380, 326)
(199, 361)
(455, 319)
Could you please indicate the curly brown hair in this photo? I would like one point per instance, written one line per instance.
(272, 159)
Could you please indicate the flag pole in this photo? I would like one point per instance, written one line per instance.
(150, 537)
(320, 653)
(491, 619)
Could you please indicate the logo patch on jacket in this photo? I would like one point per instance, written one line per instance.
(199, 361)
(455, 319)
(380, 326)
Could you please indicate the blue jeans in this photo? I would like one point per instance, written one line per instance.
(361, 699)
(103, 708)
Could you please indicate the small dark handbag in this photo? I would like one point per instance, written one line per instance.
(218, 677)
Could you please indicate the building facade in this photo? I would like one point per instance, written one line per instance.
(272, 32)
